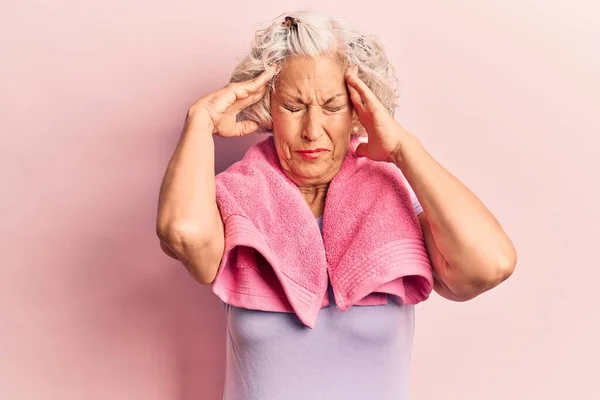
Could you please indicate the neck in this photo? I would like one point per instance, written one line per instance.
(315, 197)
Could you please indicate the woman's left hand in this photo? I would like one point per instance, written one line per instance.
(384, 132)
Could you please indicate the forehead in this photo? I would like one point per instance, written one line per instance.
(309, 76)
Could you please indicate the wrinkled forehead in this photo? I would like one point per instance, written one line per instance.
(304, 78)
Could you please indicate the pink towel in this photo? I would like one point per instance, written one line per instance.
(276, 259)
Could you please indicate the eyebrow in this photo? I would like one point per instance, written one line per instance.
(297, 99)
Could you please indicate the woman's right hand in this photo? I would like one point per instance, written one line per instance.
(222, 107)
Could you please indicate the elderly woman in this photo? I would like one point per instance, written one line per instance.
(315, 224)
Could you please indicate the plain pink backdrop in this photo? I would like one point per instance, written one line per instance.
(92, 99)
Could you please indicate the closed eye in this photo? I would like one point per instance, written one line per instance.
(335, 109)
(291, 109)
(295, 109)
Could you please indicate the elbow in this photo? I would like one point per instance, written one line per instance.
(504, 266)
(177, 235)
(496, 274)
(204, 263)
(505, 270)
(203, 276)
(193, 249)
(486, 279)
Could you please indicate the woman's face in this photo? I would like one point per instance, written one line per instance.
(312, 119)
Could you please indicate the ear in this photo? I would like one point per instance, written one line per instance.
(357, 127)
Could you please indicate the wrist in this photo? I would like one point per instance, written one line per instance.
(405, 146)
(198, 118)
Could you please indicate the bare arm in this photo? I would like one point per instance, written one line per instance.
(189, 224)
(469, 250)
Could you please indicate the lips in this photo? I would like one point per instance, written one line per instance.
(312, 154)
(311, 151)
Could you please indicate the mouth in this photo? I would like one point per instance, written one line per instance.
(311, 154)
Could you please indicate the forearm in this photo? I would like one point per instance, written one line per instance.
(187, 204)
(474, 245)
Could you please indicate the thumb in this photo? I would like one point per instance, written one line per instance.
(245, 127)
(361, 150)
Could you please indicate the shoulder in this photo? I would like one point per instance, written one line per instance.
(413, 197)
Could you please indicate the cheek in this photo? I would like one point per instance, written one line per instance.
(341, 120)
(283, 136)
(339, 125)
(285, 120)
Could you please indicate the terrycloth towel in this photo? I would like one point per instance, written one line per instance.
(276, 259)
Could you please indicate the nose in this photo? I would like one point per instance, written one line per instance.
(314, 122)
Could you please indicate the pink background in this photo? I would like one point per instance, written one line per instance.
(92, 98)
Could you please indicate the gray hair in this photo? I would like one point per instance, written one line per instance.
(311, 34)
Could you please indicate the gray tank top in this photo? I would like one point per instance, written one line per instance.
(363, 353)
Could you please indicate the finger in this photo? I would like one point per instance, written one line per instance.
(356, 99)
(368, 97)
(245, 127)
(245, 89)
(262, 80)
(240, 104)
(361, 150)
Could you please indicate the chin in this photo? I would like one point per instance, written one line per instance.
(312, 174)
